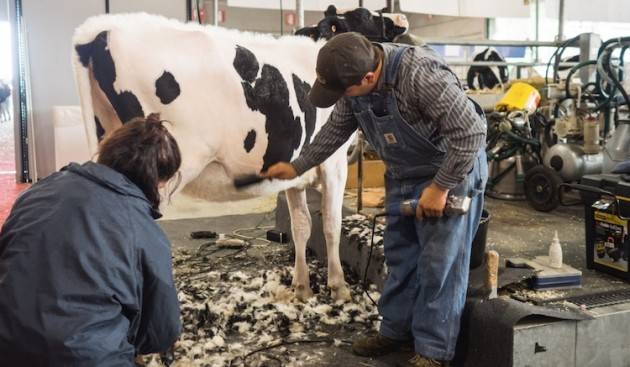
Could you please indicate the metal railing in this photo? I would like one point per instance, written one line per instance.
(498, 43)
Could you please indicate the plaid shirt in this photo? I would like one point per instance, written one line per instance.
(431, 99)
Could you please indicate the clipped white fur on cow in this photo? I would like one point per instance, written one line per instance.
(237, 102)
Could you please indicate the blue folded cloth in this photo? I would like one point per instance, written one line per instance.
(623, 167)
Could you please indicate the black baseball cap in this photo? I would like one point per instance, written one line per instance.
(341, 63)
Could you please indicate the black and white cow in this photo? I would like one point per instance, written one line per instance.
(384, 27)
(238, 103)
(480, 77)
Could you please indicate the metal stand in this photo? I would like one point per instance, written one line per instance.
(360, 173)
(589, 46)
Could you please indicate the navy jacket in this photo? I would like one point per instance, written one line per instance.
(85, 273)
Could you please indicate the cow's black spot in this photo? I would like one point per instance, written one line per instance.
(128, 107)
(269, 94)
(283, 129)
(246, 64)
(99, 129)
(167, 88)
(302, 90)
(85, 53)
(250, 141)
(125, 104)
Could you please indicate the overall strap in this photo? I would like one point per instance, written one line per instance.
(392, 66)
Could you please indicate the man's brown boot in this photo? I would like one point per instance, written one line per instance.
(378, 345)
(420, 361)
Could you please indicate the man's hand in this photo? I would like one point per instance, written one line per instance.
(281, 170)
(432, 202)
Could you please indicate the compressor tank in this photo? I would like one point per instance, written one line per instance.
(617, 148)
(571, 163)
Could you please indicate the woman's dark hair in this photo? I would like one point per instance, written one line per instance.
(145, 152)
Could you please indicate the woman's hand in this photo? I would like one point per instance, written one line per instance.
(432, 202)
(281, 170)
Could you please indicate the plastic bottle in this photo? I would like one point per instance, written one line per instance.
(555, 253)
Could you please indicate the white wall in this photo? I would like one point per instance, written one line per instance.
(439, 26)
(6, 70)
(4, 8)
(50, 25)
(169, 8)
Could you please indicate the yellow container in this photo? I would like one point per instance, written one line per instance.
(520, 97)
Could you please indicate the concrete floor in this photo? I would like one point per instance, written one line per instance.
(518, 230)
(186, 207)
(515, 230)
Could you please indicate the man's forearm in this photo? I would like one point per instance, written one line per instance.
(326, 142)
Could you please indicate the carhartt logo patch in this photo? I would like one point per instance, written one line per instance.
(390, 138)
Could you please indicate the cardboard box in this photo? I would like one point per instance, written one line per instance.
(373, 172)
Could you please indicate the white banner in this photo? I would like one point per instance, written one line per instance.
(441, 7)
(309, 5)
(468, 8)
(590, 10)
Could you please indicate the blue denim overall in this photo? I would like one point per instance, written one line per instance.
(428, 260)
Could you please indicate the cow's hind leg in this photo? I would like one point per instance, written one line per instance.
(301, 230)
(333, 182)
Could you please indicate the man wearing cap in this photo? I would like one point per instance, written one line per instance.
(431, 137)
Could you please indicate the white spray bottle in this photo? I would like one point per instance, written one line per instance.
(555, 253)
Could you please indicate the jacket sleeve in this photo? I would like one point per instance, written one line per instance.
(160, 323)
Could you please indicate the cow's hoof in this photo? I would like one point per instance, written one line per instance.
(340, 293)
(303, 293)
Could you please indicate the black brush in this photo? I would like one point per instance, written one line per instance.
(203, 234)
(247, 180)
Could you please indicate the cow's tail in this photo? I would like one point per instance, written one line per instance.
(84, 87)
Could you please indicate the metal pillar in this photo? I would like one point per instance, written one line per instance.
(589, 46)
(281, 19)
(390, 6)
(25, 168)
(299, 9)
(561, 21)
(20, 166)
(360, 174)
(537, 32)
(215, 12)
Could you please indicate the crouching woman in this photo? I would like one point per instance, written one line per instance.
(85, 272)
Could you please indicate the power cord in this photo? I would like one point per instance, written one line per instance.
(369, 259)
(283, 343)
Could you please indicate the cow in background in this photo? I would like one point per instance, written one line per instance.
(377, 27)
(237, 103)
(481, 77)
(5, 109)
